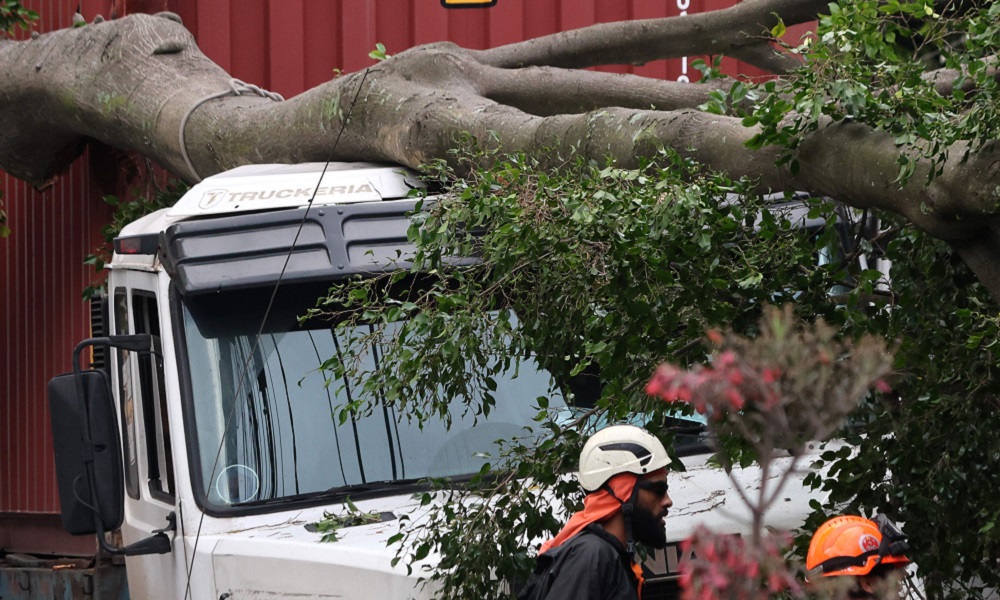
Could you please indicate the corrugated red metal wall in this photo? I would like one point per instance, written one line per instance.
(283, 45)
(42, 318)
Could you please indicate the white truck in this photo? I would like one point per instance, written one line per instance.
(208, 437)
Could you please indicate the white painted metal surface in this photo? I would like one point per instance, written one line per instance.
(268, 187)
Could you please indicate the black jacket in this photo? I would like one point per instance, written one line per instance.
(591, 565)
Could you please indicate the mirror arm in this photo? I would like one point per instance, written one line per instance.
(140, 342)
(171, 524)
(158, 543)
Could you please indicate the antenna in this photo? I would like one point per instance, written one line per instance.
(260, 329)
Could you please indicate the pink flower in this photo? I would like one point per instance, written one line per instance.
(725, 360)
(736, 401)
(775, 582)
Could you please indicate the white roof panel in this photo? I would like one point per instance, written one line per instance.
(267, 187)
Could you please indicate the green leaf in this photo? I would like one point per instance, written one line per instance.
(779, 29)
(422, 551)
(379, 53)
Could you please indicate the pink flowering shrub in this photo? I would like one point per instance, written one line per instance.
(790, 385)
(715, 389)
(728, 566)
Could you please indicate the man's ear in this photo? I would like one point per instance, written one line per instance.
(865, 583)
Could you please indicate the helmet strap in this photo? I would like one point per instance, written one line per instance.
(839, 563)
(627, 507)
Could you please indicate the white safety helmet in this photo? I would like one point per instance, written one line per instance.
(619, 449)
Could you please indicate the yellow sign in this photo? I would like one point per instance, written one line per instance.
(467, 3)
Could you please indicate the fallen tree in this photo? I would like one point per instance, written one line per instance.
(140, 83)
(855, 114)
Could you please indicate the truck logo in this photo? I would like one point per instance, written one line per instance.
(213, 198)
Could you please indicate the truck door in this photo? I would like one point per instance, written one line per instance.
(150, 499)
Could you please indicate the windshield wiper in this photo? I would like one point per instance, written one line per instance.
(373, 486)
(339, 492)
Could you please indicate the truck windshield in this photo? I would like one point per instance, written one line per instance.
(278, 435)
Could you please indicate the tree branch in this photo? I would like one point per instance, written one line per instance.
(944, 80)
(134, 80)
(113, 91)
(530, 90)
(727, 31)
(765, 56)
(981, 255)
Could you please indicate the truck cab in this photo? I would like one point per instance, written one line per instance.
(230, 434)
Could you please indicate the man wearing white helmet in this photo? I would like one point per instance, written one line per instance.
(623, 471)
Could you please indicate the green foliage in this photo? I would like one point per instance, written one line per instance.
(478, 530)
(4, 229)
(931, 450)
(868, 64)
(609, 272)
(591, 270)
(931, 456)
(788, 386)
(379, 53)
(125, 212)
(331, 523)
(13, 16)
(598, 270)
(708, 71)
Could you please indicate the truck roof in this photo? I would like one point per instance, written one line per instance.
(247, 228)
(264, 187)
(254, 188)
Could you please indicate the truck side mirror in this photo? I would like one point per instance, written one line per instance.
(84, 430)
(87, 451)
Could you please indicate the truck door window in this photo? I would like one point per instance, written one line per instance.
(126, 397)
(154, 402)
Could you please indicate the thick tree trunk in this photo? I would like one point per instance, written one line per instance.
(132, 83)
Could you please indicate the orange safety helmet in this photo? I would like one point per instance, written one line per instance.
(852, 545)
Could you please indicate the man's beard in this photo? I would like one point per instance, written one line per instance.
(646, 528)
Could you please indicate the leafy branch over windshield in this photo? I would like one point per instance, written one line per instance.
(595, 272)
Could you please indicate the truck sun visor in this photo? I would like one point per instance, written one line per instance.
(250, 250)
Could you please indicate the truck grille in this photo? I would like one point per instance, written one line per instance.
(662, 588)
